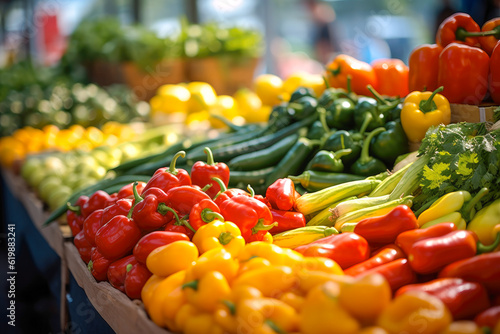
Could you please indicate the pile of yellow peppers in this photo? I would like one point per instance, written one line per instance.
(219, 284)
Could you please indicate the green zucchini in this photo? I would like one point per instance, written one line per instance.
(269, 156)
(315, 180)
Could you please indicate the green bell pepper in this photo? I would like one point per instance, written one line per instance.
(380, 109)
(340, 140)
(367, 165)
(304, 106)
(328, 161)
(340, 114)
(390, 144)
(281, 116)
(301, 92)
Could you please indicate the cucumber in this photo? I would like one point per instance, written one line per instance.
(263, 158)
(241, 179)
(314, 180)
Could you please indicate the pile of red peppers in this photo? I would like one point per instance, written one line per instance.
(465, 60)
(115, 233)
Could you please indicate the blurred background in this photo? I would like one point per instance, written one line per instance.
(301, 34)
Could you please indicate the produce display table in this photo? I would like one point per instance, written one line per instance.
(85, 306)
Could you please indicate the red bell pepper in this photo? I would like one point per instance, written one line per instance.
(179, 225)
(456, 29)
(121, 207)
(265, 201)
(406, 239)
(202, 173)
(463, 299)
(281, 194)
(495, 74)
(153, 240)
(183, 198)
(150, 212)
(225, 193)
(166, 178)
(98, 265)
(492, 28)
(287, 220)
(384, 229)
(91, 225)
(83, 246)
(392, 76)
(117, 271)
(463, 72)
(112, 199)
(251, 215)
(347, 249)
(398, 273)
(204, 212)
(127, 191)
(117, 237)
(98, 200)
(74, 216)
(135, 279)
(489, 317)
(484, 268)
(384, 255)
(430, 255)
(423, 65)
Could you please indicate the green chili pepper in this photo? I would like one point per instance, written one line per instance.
(281, 116)
(379, 108)
(367, 165)
(390, 144)
(328, 161)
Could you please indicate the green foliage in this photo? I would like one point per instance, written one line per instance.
(462, 156)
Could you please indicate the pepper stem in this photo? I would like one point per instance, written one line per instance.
(207, 215)
(349, 79)
(467, 209)
(429, 105)
(340, 153)
(274, 327)
(377, 95)
(191, 285)
(366, 121)
(90, 265)
(137, 199)
(365, 151)
(210, 156)
(489, 248)
(461, 34)
(172, 168)
(222, 186)
(251, 191)
(225, 238)
(322, 119)
(261, 227)
(327, 84)
(230, 306)
(129, 267)
(162, 209)
(206, 187)
(335, 72)
(75, 208)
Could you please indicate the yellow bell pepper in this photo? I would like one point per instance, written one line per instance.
(276, 255)
(421, 110)
(374, 292)
(169, 259)
(225, 313)
(160, 294)
(268, 237)
(174, 300)
(456, 207)
(202, 323)
(318, 263)
(373, 330)
(310, 279)
(149, 288)
(271, 281)
(484, 222)
(205, 293)
(293, 299)
(463, 327)
(322, 312)
(415, 312)
(217, 259)
(265, 315)
(252, 264)
(202, 96)
(218, 234)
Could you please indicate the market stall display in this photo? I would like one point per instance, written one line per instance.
(339, 204)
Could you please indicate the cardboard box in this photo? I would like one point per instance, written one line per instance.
(471, 113)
